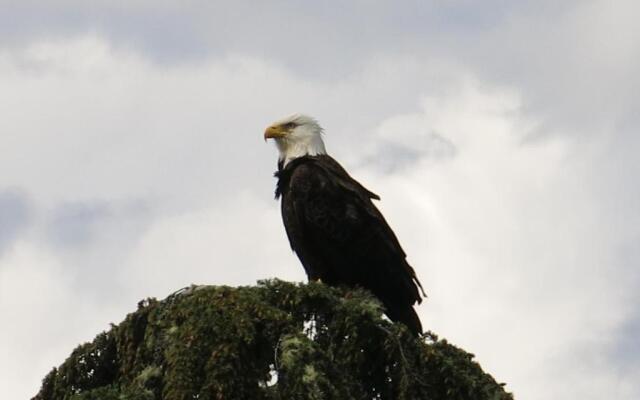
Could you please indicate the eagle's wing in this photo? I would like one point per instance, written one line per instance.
(342, 238)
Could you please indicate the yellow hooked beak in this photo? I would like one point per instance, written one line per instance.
(274, 132)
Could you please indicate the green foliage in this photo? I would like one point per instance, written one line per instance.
(277, 340)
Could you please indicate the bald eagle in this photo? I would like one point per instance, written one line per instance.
(338, 234)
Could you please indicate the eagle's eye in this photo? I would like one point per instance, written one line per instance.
(290, 125)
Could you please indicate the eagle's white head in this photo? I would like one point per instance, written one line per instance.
(296, 135)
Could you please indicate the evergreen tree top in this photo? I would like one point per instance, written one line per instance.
(276, 340)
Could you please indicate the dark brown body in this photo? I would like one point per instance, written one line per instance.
(341, 237)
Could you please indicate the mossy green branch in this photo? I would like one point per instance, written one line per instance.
(276, 340)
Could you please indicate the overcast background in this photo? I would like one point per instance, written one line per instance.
(501, 136)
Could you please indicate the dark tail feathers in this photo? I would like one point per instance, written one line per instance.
(407, 315)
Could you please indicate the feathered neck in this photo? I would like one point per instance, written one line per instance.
(307, 145)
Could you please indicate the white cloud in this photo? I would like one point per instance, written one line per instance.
(236, 243)
(44, 319)
(506, 237)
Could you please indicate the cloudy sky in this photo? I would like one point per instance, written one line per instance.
(501, 136)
